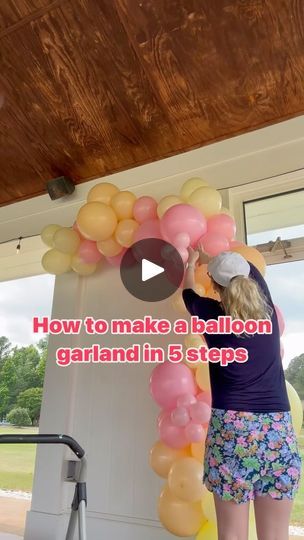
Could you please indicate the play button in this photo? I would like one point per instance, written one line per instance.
(152, 270)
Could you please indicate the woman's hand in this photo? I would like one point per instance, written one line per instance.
(204, 258)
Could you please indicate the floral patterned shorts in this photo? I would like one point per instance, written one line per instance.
(249, 454)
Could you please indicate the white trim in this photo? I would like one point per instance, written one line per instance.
(257, 190)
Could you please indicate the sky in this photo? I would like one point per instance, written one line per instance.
(22, 299)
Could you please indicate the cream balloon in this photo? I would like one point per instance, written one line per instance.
(208, 506)
(185, 479)
(125, 230)
(122, 204)
(165, 203)
(178, 303)
(96, 221)
(82, 268)
(102, 192)
(162, 458)
(296, 408)
(109, 248)
(56, 262)
(191, 185)
(179, 517)
(202, 376)
(206, 199)
(47, 234)
(66, 240)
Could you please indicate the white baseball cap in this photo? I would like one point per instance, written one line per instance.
(226, 266)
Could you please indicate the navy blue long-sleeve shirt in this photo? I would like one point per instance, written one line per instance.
(257, 385)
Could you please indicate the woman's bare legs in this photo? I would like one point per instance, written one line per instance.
(272, 518)
(232, 519)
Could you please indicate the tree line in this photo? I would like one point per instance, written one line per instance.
(22, 372)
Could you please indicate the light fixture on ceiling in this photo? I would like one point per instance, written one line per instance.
(60, 187)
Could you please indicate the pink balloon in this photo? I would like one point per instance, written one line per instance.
(145, 209)
(194, 432)
(183, 218)
(214, 243)
(280, 319)
(222, 224)
(182, 240)
(169, 381)
(200, 412)
(180, 417)
(88, 252)
(116, 260)
(205, 397)
(164, 413)
(282, 351)
(185, 400)
(184, 254)
(172, 436)
(148, 229)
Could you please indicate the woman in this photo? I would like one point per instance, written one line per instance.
(251, 448)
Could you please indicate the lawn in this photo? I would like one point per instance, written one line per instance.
(17, 461)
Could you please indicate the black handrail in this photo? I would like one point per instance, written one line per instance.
(44, 439)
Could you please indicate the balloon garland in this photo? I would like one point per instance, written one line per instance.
(106, 225)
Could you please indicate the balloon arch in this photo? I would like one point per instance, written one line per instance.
(106, 225)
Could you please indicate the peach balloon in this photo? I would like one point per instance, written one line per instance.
(185, 479)
(109, 247)
(102, 192)
(162, 458)
(179, 517)
(252, 255)
(165, 203)
(125, 231)
(96, 221)
(123, 203)
(198, 449)
(145, 208)
(211, 293)
(201, 277)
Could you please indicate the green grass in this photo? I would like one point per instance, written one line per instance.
(17, 461)
(297, 516)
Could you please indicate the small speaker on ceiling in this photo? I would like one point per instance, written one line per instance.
(59, 187)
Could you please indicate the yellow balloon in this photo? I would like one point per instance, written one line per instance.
(102, 192)
(208, 532)
(162, 458)
(165, 203)
(82, 268)
(185, 479)
(208, 507)
(66, 240)
(179, 517)
(206, 199)
(47, 234)
(198, 450)
(191, 185)
(56, 262)
(295, 407)
(202, 376)
(122, 204)
(124, 233)
(109, 248)
(200, 289)
(96, 221)
(178, 303)
(252, 255)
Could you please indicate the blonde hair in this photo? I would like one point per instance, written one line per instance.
(243, 299)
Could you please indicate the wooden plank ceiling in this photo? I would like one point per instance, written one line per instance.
(91, 87)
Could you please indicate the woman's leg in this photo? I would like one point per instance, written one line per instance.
(272, 517)
(232, 519)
